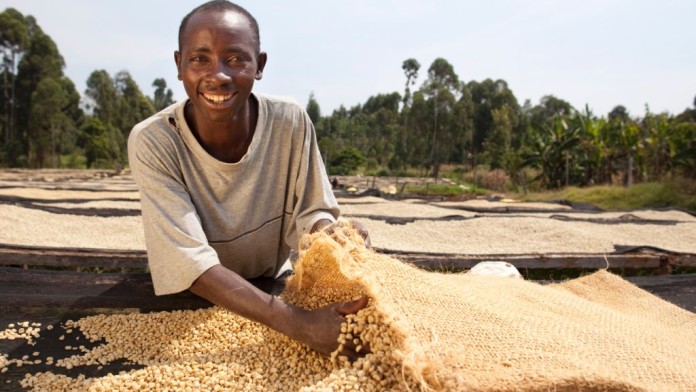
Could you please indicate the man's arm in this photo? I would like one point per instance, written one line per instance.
(319, 328)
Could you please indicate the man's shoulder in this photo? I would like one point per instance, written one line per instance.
(276, 99)
(278, 103)
(159, 126)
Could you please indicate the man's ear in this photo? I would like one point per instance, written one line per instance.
(261, 62)
(177, 60)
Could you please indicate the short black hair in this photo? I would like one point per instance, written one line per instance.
(222, 5)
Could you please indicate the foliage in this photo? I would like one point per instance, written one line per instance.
(346, 162)
(162, 97)
(477, 126)
(669, 193)
(552, 149)
(447, 190)
(103, 144)
(313, 109)
(41, 112)
(46, 121)
(14, 40)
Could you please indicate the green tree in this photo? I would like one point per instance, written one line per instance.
(401, 132)
(103, 143)
(441, 89)
(595, 143)
(71, 108)
(102, 97)
(499, 140)
(313, 109)
(46, 122)
(347, 162)
(42, 60)
(381, 129)
(419, 131)
(496, 122)
(623, 145)
(14, 40)
(684, 146)
(549, 110)
(552, 150)
(134, 106)
(656, 129)
(162, 95)
(410, 67)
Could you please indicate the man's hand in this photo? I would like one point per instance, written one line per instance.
(328, 226)
(320, 328)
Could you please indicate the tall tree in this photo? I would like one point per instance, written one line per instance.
(71, 108)
(548, 110)
(401, 149)
(489, 97)
(103, 143)
(499, 140)
(42, 60)
(14, 40)
(102, 97)
(442, 90)
(313, 109)
(134, 106)
(163, 96)
(46, 121)
(410, 67)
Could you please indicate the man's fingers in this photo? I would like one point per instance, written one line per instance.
(363, 232)
(352, 307)
(349, 350)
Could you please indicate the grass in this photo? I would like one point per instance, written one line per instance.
(447, 190)
(679, 193)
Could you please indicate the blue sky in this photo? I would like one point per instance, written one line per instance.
(597, 52)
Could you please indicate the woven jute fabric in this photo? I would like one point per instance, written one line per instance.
(427, 331)
(461, 332)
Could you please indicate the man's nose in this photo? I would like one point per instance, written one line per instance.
(220, 72)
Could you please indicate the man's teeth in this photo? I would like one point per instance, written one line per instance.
(217, 98)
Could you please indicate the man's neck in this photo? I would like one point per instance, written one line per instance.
(227, 141)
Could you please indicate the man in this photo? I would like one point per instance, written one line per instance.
(229, 179)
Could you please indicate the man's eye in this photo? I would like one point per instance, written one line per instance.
(235, 59)
(197, 59)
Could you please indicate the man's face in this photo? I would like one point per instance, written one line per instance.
(218, 64)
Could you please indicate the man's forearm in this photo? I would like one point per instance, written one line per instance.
(227, 289)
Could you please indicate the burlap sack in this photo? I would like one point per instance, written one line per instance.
(461, 332)
(427, 331)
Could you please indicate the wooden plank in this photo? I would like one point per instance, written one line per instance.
(540, 261)
(71, 257)
(683, 260)
(27, 289)
(83, 290)
(640, 258)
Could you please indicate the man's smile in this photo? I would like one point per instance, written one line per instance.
(216, 98)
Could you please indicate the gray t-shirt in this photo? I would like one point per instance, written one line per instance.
(199, 211)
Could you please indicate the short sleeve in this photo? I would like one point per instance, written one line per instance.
(314, 197)
(177, 247)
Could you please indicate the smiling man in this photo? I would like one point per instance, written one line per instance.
(230, 179)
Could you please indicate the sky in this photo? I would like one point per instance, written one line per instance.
(600, 53)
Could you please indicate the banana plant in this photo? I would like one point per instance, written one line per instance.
(554, 150)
